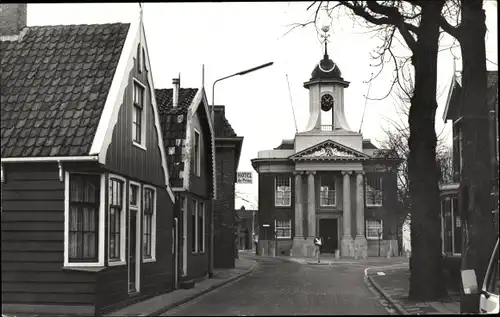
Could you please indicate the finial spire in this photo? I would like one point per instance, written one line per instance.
(325, 37)
(140, 11)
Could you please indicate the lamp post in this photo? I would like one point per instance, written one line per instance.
(211, 253)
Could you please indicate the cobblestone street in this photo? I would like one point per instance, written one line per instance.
(279, 287)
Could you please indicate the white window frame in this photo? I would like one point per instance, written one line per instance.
(201, 213)
(197, 153)
(321, 191)
(284, 191)
(123, 217)
(381, 191)
(101, 230)
(195, 227)
(141, 145)
(381, 227)
(153, 225)
(289, 227)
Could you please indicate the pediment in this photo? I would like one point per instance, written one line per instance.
(329, 150)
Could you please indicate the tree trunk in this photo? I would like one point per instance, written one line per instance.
(426, 276)
(479, 232)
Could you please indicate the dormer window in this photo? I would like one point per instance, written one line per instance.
(138, 117)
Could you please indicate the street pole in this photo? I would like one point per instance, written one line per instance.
(211, 254)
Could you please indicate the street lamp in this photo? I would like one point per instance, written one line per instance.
(211, 254)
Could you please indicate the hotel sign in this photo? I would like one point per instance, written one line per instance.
(244, 178)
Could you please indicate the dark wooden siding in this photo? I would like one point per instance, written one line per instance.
(267, 209)
(224, 247)
(201, 185)
(155, 277)
(33, 240)
(125, 158)
(197, 263)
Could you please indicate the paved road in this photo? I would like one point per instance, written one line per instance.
(279, 287)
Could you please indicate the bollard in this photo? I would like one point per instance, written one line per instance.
(356, 249)
(337, 254)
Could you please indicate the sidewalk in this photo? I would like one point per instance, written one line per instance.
(331, 260)
(393, 284)
(162, 303)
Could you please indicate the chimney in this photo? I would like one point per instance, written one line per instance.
(12, 18)
(175, 97)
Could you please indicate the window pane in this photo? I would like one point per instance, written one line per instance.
(282, 191)
(133, 195)
(82, 222)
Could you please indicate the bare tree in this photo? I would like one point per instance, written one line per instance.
(415, 24)
(479, 160)
(396, 142)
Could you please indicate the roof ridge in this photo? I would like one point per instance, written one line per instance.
(77, 25)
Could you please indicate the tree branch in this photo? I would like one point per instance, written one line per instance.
(395, 18)
(456, 32)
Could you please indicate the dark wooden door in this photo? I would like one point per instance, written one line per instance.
(328, 231)
(132, 253)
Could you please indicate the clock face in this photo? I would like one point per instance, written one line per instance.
(326, 102)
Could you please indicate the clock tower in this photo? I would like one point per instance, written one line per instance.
(326, 95)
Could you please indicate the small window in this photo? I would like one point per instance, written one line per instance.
(327, 190)
(83, 237)
(373, 188)
(283, 229)
(149, 226)
(197, 153)
(134, 195)
(282, 191)
(194, 230)
(116, 216)
(201, 227)
(374, 229)
(138, 114)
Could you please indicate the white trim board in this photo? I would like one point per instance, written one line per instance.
(123, 217)
(114, 101)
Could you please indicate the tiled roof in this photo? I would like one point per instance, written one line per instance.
(54, 83)
(223, 128)
(173, 124)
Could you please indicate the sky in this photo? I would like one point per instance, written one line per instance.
(231, 37)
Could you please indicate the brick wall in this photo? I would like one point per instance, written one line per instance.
(224, 239)
(12, 18)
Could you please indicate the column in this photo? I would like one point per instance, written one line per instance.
(311, 205)
(299, 217)
(347, 241)
(360, 244)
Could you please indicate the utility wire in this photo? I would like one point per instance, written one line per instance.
(366, 102)
(291, 103)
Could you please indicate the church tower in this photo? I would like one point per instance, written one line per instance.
(326, 95)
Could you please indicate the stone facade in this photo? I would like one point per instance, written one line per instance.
(327, 182)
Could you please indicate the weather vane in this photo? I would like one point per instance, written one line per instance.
(326, 30)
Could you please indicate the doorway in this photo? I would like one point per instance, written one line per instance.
(328, 231)
(133, 252)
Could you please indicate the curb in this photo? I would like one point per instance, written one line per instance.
(379, 289)
(203, 292)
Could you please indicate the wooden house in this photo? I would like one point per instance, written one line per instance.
(187, 133)
(87, 207)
